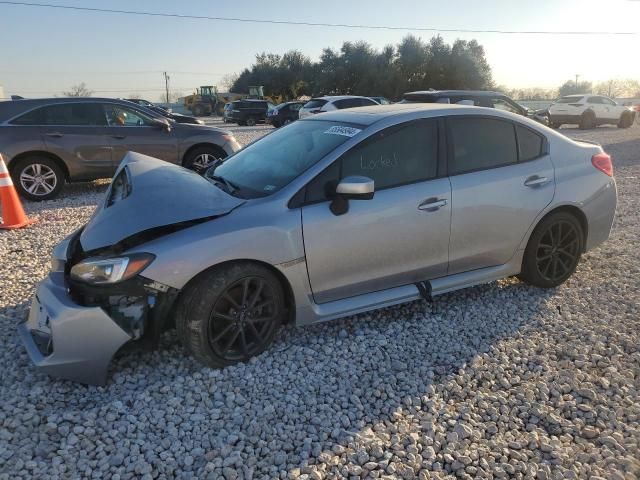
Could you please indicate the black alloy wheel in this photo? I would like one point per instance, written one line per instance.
(242, 320)
(553, 251)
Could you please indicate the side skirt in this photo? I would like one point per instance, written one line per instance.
(406, 293)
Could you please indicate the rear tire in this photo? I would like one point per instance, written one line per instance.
(200, 158)
(38, 178)
(588, 120)
(555, 126)
(250, 122)
(553, 251)
(230, 314)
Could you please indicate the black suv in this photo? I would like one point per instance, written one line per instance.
(284, 113)
(248, 112)
(479, 98)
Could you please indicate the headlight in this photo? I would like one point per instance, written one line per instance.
(111, 270)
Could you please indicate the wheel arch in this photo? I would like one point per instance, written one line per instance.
(573, 210)
(200, 145)
(41, 153)
(284, 281)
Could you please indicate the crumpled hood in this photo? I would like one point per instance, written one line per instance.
(147, 193)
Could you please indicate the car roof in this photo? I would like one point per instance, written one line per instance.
(477, 93)
(372, 114)
(250, 100)
(11, 108)
(331, 98)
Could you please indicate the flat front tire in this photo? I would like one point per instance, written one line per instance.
(230, 314)
(553, 251)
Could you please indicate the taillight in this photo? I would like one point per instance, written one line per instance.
(602, 161)
(576, 104)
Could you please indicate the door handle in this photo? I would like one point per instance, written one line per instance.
(536, 181)
(432, 204)
(55, 135)
(119, 137)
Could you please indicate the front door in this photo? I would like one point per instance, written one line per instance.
(498, 186)
(399, 237)
(131, 130)
(76, 132)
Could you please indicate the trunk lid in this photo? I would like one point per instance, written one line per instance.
(146, 194)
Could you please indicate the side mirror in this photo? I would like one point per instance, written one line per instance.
(162, 123)
(351, 188)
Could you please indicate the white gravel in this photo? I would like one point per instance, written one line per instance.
(496, 381)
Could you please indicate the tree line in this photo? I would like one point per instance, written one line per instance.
(357, 68)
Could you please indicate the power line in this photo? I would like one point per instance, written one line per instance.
(310, 24)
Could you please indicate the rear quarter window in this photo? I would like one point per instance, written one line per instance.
(34, 117)
(530, 144)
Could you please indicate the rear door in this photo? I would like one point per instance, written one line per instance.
(501, 179)
(399, 237)
(131, 130)
(76, 132)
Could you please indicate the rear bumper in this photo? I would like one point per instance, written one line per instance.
(600, 211)
(66, 340)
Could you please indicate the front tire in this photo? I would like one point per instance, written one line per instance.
(198, 110)
(230, 314)
(250, 122)
(38, 178)
(588, 120)
(201, 158)
(553, 251)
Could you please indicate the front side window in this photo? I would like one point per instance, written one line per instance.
(347, 103)
(295, 106)
(120, 116)
(396, 156)
(530, 144)
(269, 164)
(595, 100)
(480, 143)
(68, 114)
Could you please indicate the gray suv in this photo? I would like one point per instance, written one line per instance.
(48, 142)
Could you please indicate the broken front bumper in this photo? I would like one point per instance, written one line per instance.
(68, 340)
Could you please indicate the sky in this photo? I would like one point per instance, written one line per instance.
(45, 51)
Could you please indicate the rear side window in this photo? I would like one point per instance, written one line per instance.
(347, 103)
(569, 100)
(74, 114)
(480, 143)
(530, 144)
(315, 103)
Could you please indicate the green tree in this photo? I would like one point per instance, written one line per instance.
(569, 88)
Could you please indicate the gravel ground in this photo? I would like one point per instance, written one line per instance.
(496, 381)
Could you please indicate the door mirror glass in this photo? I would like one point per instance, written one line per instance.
(351, 188)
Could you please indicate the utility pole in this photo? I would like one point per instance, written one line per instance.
(166, 85)
(577, 76)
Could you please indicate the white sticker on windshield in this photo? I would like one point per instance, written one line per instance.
(341, 130)
(268, 188)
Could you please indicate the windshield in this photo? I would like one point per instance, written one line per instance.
(269, 164)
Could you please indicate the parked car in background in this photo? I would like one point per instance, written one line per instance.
(479, 98)
(396, 202)
(327, 104)
(589, 111)
(50, 141)
(284, 113)
(226, 113)
(249, 111)
(166, 112)
(381, 100)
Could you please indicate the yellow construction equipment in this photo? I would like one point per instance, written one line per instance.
(207, 100)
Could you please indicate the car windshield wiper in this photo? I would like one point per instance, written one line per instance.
(231, 187)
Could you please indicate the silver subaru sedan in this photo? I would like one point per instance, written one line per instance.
(330, 216)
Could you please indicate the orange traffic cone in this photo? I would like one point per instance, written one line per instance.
(13, 215)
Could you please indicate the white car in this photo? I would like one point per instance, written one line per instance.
(589, 111)
(326, 104)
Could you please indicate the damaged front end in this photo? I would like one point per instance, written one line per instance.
(74, 328)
